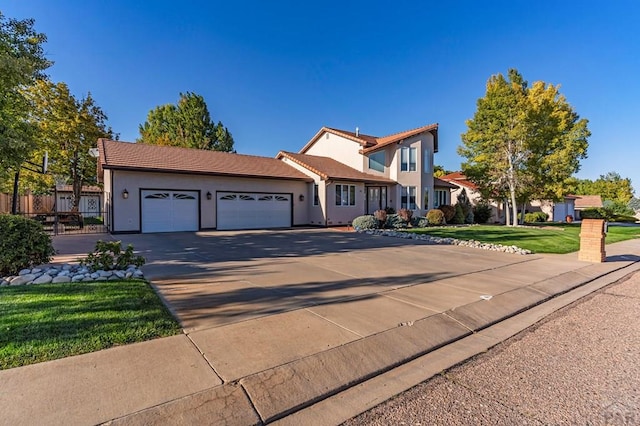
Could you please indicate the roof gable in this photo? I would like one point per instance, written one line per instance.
(588, 201)
(141, 157)
(330, 169)
(458, 178)
(370, 143)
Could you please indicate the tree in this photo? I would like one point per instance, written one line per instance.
(68, 129)
(523, 141)
(439, 171)
(22, 62)
(609, 187)
(187, 124)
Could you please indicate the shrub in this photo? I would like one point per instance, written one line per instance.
(535, 217)
(435, 217)
(381, 217)
(108, 255)
(458, 218)
(449, 212)
(420, 222)
(365, 222)
(23, 243)
(390, 210)
(394, 221)
(405, 215)
(592, 213)
(482, 212)
(469, 217)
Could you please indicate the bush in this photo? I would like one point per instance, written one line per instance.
(458, 218)
(449, 212)
(482, 212)
(390, 210)
(365, 222)
(108, 255)
(394, 221)
(405, 215)
(23, 243)
(435, 217)
(592, 214)
(420, 222)
(381, 217)
(535, 217)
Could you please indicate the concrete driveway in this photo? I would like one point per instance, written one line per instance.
(211, 279)
(292, 325)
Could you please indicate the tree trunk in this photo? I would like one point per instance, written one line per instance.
(507, 214)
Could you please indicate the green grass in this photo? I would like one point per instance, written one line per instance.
(547, 238)
(49, 321)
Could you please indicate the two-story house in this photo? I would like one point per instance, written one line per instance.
(337, 176)
(356, 173)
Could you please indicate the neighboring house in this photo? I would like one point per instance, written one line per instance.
(460, 182)
(556, 211)
(337, 176)
(584, 202)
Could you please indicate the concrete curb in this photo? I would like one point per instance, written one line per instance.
(335, 385)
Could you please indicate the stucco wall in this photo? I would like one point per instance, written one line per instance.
(126, 213)
(341, 215)
(344, 150)
(316, 213)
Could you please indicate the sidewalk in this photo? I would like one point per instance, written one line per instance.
(195, 378)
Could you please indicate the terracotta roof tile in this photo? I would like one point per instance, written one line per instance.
(588, 201)
(459, 178)
(135, 156)
(328, 168)
(372, 143)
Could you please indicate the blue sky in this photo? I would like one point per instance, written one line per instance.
(274, 72)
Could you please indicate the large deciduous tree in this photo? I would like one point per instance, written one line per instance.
(187, 124)
(22, 62)
(611, 186)
(523, 142)
(68, 129)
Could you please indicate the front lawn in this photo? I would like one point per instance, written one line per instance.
(49, 321)
(545, 238)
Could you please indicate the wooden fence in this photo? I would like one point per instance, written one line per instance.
(28, 203)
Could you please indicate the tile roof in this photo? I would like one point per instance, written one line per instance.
(135, 156)
(328, 168)
(587, 201)
(460, 179)
(373, 143)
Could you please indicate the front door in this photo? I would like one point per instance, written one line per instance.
(376, 198)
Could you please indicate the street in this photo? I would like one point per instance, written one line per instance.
(580, 365)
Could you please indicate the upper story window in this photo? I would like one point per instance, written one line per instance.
(345, 195)
(376, 161)
(426, 160)
(408, 159)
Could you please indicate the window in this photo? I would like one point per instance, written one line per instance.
(408, 198)
(345, 195)
(316, 196)
(376, 161)
(440, 198)
(408, 159)
(426, 160)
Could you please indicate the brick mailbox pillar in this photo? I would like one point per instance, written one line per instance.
(592, 241)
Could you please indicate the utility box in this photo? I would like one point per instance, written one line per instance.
(592, 234)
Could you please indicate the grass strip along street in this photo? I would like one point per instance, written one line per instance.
(547, 238)
(50, 321)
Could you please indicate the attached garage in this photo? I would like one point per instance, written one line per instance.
(169, 211)
(243, 210)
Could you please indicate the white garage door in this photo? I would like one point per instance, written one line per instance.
(253, 210)
(169, 211)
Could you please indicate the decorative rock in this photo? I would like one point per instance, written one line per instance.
(24, 272)
(128, 274)
(94, 275)
(101, 278)
(61, 279)
(77, 278)
(114, 278)
(36, 270)
(119, 274)
(66, 267)
(63, 273)
(43, 279)
(105, 273)
(87, 279)
(23, 279)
